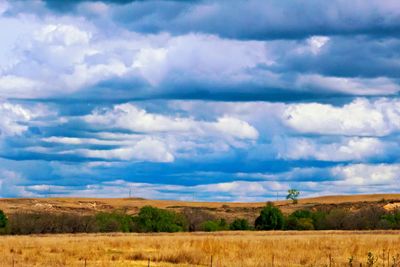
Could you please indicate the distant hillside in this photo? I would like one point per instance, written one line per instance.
(221, 209)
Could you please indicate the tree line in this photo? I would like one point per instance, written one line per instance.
(151, 219)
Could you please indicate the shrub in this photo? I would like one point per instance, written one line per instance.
(319, 220)
(300, 220)
(196, 217)
(239, 224)
(366, 218)
(4, 229)
(335, 219)
(210, 226)
(3, 219)
(152, 219)
(305, 224)
(43, 222)
(390, 220)
(216, 225)
(271, 218)
(114, 222)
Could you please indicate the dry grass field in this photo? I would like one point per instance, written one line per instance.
(230, 249)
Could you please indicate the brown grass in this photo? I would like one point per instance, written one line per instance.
(229, 249)
(225, 210)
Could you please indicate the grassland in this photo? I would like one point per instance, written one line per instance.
(227, 210)
(230, 249)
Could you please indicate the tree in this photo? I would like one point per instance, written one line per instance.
(114, 222)
(300, 220)
(152, 219)
(216, 225)
(239, 224)
(271, 218)
(3, 219)
(196, 217)
(293, 194)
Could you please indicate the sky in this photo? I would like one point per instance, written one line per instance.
(229, 100)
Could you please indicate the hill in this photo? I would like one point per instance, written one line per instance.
(226, 210)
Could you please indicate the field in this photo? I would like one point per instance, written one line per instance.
(323, 248)
(230, 249)
(228, 210)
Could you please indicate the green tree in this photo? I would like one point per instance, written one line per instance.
(214, 225)
(3, 219)
(113, 222)
(240, 224)
(210, 226)
(293, 194)
(152, 219)
(271, 218)
(300, 220)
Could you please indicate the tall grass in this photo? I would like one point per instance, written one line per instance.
(310, 248)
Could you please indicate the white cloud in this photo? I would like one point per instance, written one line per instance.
(10, 184)
(367, 174)
(14, 118)
(18, 87)
(355, 86)
(361, 117)
(147, 149)
(128, 116)
(62, 35)
(347, 149)
(316, 43)
(62, 56)
(235, 127)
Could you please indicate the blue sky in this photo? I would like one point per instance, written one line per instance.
(199, 100)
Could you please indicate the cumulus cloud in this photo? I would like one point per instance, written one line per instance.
(230, 100)
(147, 149)
(64, 58)
(364, 174)
(15, 118)
(361, 117)
(128, 116)
(348, 149)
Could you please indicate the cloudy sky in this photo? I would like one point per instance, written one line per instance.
(199, 100)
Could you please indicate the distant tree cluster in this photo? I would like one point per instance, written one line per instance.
(3, 222)
(151, 219)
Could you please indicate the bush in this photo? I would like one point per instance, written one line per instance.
(319, 220)
(3, 219)
(114, 222)
(300, 220)
(152, 219)
(390, 220)
(4, 229)
(212, 226)
(43, 222)
(335, 219)
(196, 217)
(271, 218)
(366, 218)
(239, 224)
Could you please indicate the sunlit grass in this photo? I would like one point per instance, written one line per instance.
(187, 249)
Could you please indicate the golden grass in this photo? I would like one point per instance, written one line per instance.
(132, 205)
(228, 249)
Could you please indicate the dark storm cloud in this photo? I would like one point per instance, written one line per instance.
(263, 20)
